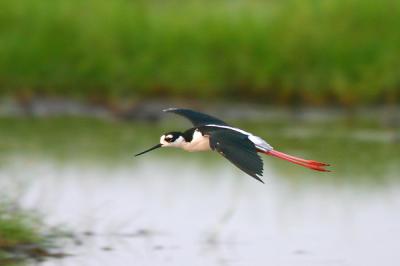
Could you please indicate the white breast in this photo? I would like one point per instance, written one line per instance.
(198, 143)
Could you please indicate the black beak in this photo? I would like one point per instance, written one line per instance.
(152, 148)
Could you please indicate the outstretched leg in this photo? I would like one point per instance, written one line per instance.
(314, 165)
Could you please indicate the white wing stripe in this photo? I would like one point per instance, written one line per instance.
(259, 142)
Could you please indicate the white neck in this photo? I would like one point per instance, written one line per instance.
(198, 143)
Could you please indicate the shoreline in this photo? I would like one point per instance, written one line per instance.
(151, 110)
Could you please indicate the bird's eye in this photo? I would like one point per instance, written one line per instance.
(169, 138)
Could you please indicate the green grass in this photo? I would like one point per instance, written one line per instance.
(272, 51)
(17, 230)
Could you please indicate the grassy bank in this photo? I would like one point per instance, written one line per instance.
(274, 51)
(21, 236)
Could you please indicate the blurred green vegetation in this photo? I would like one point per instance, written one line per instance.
(17, 230)
(14, 230)
(289, 51)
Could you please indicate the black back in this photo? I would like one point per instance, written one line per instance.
(197, 119)
(238, 149)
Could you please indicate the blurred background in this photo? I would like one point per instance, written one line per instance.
(82, 86)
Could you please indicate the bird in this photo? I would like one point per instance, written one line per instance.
(238, 146)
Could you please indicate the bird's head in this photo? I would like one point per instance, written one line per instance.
(170, 139)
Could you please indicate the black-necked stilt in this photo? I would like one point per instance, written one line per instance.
(236, 145)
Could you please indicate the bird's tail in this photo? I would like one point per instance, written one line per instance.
(314, 165)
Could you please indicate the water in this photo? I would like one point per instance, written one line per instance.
(168, 208)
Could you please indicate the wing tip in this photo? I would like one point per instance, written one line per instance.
(171, 109)
(258, 178)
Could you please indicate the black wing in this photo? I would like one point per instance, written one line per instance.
(239, 150)
(197, 119)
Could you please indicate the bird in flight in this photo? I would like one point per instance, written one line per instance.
(238, 146)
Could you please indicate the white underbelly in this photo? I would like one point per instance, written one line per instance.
(199, 143)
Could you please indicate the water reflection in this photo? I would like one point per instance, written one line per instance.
(169, 208)
(131, 213)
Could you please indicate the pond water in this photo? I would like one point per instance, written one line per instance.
(175, 208)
